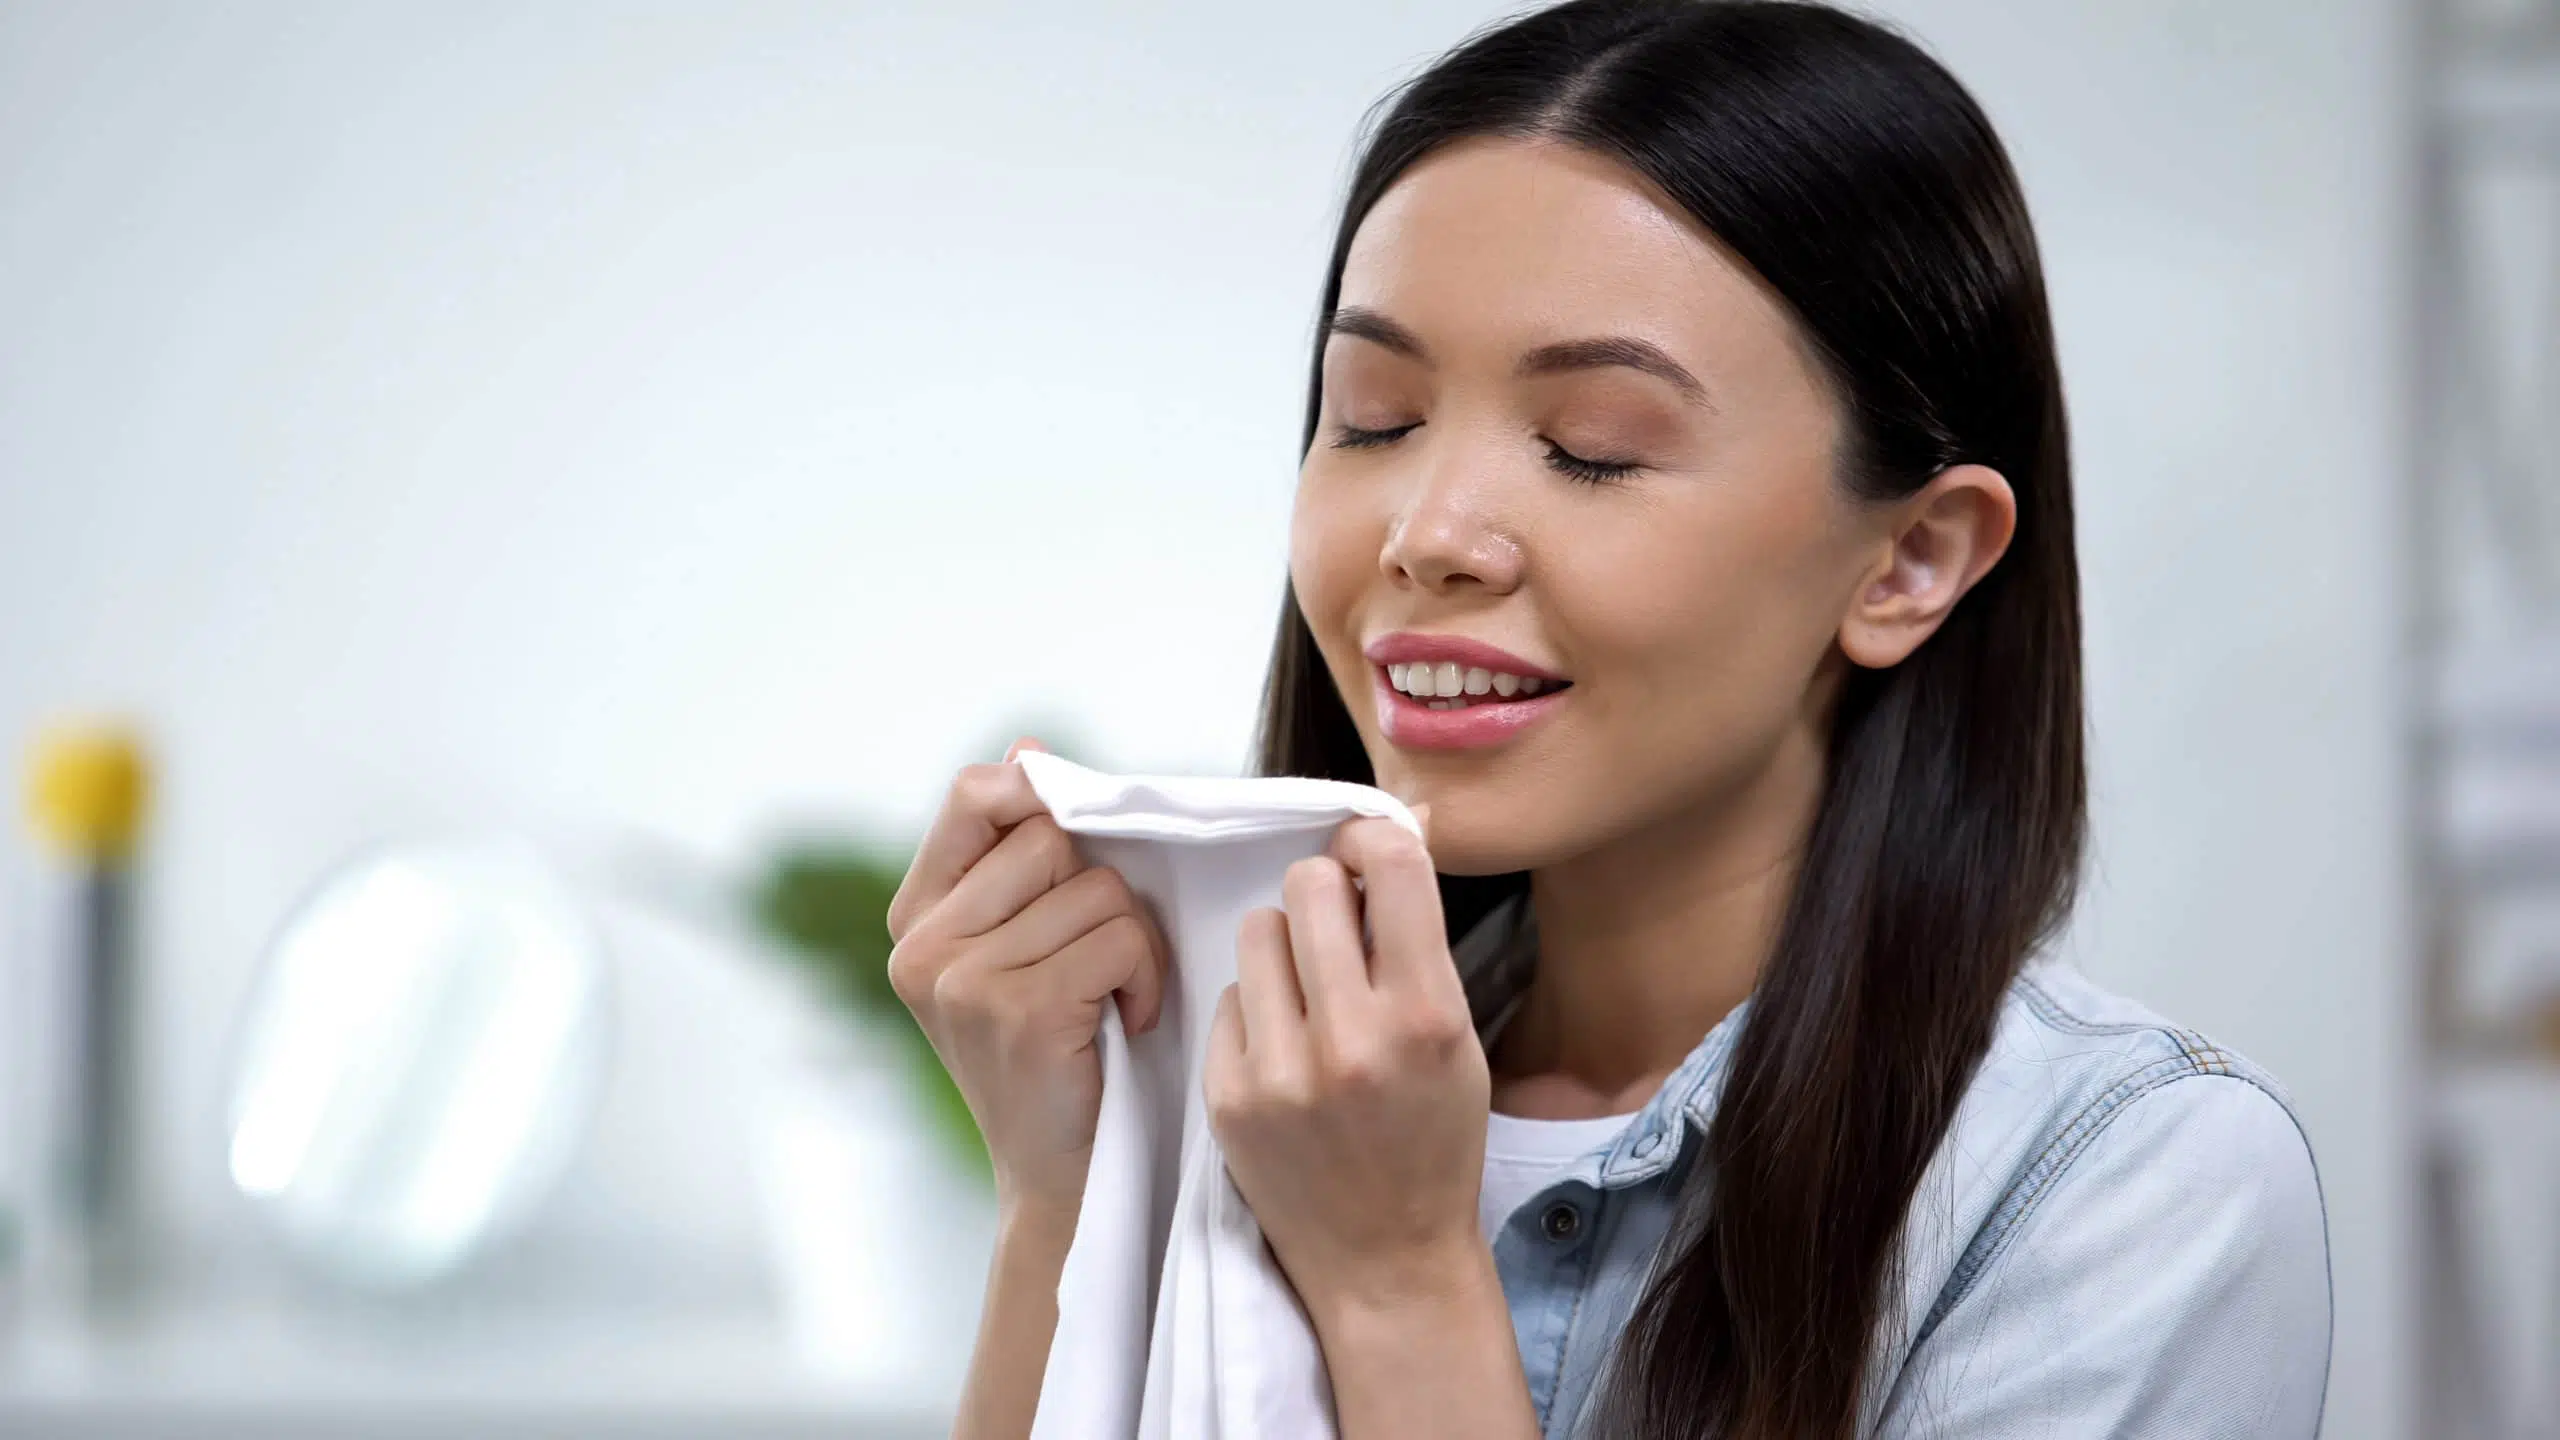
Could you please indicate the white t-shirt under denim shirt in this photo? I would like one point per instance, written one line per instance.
(2121, 1234)
(1522, 1156)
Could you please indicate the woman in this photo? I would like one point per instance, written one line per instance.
(1685, 527)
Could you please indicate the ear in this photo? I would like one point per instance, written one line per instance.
(1937, 544)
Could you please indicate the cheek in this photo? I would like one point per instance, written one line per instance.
(1333, 554)
(1744, 595)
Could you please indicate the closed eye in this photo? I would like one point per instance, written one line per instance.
(1565, 462)
(1352, 437)
(1588, 472)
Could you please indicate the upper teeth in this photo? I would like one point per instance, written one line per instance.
(1424, 680)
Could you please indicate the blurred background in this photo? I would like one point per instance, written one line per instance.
(540, 497)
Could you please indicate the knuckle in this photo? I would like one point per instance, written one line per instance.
(978, 788)
(1262, 927)
(1288, 1089)
(958, 991)
(1318, 875)
(1387, 846)
(911, 973)
(1051, 845)
(1013, 1025)
(1110, 889)
(1230, 1108)
(1358, 1070)
(1124, 935)
(1431, 1030)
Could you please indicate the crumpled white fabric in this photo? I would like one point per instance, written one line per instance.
(1174, 1322)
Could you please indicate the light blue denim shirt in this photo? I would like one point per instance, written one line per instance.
(2121, 1235)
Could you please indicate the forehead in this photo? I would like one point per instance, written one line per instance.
(1507, 244)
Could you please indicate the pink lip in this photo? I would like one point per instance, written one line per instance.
(1414, 724)
(1405, 646)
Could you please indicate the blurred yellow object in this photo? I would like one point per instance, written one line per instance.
(89, 787)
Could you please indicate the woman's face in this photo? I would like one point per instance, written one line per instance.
(1570, 536)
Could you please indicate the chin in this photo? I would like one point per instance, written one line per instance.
(1463, 859)
(1483, 835)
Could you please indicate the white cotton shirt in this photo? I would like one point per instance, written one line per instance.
(1174, 1320)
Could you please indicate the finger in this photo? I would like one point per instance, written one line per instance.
(1025, 743)
(1142, 1001)
(984, 802)
(1274, 1011)
(1088, 899)
(1324, 937)
(1400, 895)
(1106, 959)
(1222, 1068)
(1033, 858)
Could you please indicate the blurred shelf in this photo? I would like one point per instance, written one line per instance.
(2498, 691)
(223, 1372)
(2496, 1075)
(2506, 1098)
(2505, 99)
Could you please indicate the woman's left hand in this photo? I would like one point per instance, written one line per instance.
(1346, 1084)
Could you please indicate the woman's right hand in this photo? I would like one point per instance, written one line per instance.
(1006, 948)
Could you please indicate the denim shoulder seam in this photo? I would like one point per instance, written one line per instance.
(2211, 1058)
(2027, 1193)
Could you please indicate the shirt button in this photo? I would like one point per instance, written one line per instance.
(1561, 1222)
(1650, 1143)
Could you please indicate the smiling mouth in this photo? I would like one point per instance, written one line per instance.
(1448, 685)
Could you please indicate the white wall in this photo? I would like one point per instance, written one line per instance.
(684, 418)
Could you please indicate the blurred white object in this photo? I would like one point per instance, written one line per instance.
(2500, 1127)
(2511, 958)
(2495, 712)
(418, 1059)
(2503, 324)
(879, 1241)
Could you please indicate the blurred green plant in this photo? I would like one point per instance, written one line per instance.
(828, 901)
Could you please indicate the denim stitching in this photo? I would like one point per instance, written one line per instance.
(2049, 1006)
(2179, 1039)
(2215, 1060)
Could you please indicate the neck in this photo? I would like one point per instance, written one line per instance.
(1646, 942)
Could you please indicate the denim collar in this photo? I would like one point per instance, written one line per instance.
(1496, 960)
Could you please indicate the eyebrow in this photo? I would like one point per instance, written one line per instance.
(1555, 359)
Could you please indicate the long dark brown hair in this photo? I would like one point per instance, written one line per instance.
(1865, 187)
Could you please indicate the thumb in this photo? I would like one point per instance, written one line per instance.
(1025, 743)
(1422, 818)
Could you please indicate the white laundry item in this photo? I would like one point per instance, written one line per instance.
(1174, 1322)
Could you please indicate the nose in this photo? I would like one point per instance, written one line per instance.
(1446, 536)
